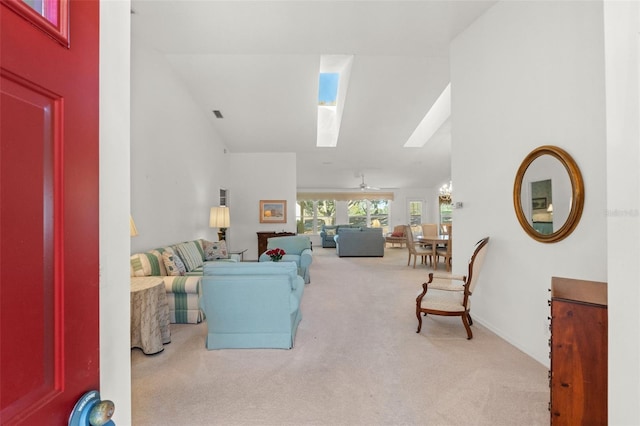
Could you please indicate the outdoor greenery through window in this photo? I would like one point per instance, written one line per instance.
(415, 213)
(446, 212)
(369, 213)
(311, 215)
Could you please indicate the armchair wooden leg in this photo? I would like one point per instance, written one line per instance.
(470, 320)
(465, 321)
(419, 320)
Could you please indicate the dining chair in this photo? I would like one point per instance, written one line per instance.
(442, 294)
(429, 229)
(415, 249)
(445, 253)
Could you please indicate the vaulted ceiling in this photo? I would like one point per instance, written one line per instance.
(258, 61)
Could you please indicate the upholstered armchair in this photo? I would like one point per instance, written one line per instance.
(397, 236)
(297, 249)
(450, 295)
(251, 304)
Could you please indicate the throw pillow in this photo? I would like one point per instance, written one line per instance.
(189, 253)
(174, 264)
(215, 250)
(397, 234)
(330, 232)
(147, 264)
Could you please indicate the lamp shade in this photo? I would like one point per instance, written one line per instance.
(132, 227)
(219, 217)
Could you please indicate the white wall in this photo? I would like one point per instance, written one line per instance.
(255, 177)
(622, 26)
(527, 74)
(400, 206)
(115, 349)
(178, 160)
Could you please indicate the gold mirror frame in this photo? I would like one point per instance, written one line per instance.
(577, 190)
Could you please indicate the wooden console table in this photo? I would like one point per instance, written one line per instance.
(264, 236)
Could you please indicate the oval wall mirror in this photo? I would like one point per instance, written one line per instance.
(548, 194)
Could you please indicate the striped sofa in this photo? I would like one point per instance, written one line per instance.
(183, 285)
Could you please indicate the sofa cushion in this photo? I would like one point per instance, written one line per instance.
(215, 250)
(147, 264)
(173, 264)
(342, 230)
(191, 254)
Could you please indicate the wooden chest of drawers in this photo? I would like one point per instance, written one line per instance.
(578, 376)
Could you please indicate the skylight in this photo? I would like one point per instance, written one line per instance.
(333, 81)
(328, 88)
(435, 118)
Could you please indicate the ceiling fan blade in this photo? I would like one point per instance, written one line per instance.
(363, 186)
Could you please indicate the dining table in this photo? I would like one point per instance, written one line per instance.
(434, 241)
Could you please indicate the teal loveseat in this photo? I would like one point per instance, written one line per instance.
(251, 304)
(297, 249)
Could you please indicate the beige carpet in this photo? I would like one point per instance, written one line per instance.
(357, 360)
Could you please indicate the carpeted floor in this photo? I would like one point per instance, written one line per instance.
(357, 360)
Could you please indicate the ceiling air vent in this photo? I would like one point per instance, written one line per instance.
(217, 113)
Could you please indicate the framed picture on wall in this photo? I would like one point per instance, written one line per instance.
(273, 211)
(539, 203)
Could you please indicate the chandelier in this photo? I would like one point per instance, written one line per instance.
(445, 191)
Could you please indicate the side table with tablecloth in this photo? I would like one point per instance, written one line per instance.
(150, 328)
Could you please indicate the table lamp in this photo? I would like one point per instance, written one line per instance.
(219, 218)
(133, 231)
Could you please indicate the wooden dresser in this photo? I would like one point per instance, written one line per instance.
(264, 236)
(578, 376)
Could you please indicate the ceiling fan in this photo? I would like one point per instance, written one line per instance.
(363, 186)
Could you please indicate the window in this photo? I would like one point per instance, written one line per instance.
(415, 216)
(369, 213)
(50, 16)
(47, 9)
(328, 88)
(379, 214)
(357, 212)
(223, 197)
(311, 215)
(415, 213)
(333, 80)
(326, 213)
(446, 212)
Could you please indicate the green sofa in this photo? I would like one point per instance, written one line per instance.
(182, 286)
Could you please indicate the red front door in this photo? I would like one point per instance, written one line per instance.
(49, 335)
